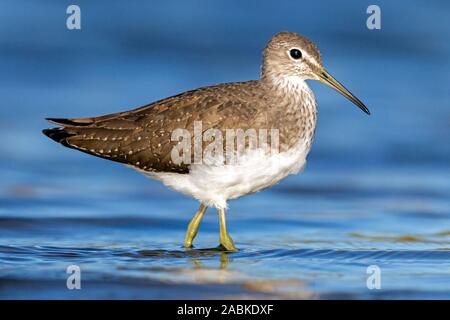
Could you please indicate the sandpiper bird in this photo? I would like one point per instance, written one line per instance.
(280, 100)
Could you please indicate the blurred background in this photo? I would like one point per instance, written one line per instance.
(376, 190)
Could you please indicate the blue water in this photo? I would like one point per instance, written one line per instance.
(376, 190)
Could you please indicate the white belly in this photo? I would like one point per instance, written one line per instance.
(213, 185)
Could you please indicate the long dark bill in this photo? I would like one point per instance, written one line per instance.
(329, 80)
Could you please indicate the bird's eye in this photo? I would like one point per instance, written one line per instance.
(295, 54)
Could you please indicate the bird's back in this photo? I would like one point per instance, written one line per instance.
(142, 137)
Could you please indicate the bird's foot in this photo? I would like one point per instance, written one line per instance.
(227, 244)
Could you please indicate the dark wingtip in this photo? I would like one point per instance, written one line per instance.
(57, 134)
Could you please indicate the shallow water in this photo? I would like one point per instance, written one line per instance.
(376, 190)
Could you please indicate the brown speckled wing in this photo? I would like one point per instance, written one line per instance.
(142, 137)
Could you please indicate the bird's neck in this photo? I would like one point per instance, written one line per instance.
(292, 89)
(286, 85)
(294, 105)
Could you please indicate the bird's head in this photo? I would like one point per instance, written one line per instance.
(289, 59)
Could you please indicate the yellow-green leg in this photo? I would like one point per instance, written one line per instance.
(193, 226)
(225, 240)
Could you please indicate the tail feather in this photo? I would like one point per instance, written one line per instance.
(109, 143)
(71, 122)
(117, 140)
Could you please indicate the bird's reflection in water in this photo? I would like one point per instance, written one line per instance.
(223, 259)
(196, 256)
(208, 265)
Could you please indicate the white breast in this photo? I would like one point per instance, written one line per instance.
(213, 185)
